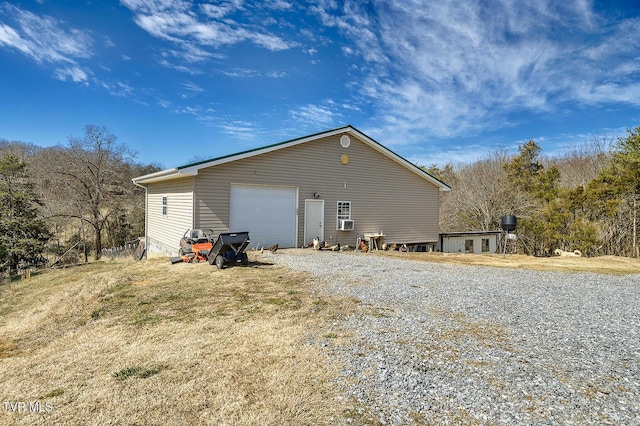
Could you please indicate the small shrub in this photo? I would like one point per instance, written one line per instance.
(53, 393)
(139, 372)
(98, 313)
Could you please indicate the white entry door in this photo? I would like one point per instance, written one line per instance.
(269, 213)
(313, 220)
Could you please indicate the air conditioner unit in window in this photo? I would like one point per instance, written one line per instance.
(346, 225)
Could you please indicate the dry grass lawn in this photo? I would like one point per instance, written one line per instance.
(602, 264)
(126, 342)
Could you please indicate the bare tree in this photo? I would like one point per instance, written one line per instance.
(91, 173)
(584, 161)
(480, 195)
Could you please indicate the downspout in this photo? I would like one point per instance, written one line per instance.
(193, 206)
(146, 222)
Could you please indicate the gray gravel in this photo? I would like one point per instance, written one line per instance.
(447, 344)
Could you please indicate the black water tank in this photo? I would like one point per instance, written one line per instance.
(509, 223)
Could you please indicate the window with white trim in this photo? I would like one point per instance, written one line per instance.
(164, 206)
(344, 212)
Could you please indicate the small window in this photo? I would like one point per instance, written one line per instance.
(164, 206)
(485, 245)
(344, 212)
(468, 246)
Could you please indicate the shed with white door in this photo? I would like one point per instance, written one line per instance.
(333, 185)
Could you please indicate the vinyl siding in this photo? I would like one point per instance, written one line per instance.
(164, 232)
(385, 196)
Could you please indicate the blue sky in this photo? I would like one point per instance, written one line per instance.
(435, 81)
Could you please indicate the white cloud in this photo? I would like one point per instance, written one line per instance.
(74, 74)
(43, 38)
(314, 115)
(269, 41)
(187, 69)
(10, 37)
(224, 8)
(192, 87)
(445, 69)
(241, 73)
(201, 29)
(347, 50)
(46, 41)
(278, 4)
(118, 88)
(276, 74)
(239, 129)
(456, 155)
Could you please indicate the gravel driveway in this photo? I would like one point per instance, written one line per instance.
(449, 344)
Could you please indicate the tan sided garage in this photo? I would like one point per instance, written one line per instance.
(290, 192)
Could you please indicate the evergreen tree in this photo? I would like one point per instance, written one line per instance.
(626, 161)
(545, 222)
(523, 171)
(614, 197)
(23, 234)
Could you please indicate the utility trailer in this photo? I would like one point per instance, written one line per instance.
(229, 248)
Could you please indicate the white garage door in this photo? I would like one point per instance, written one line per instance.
(267, 212)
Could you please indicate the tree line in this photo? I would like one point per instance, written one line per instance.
(75, 195)
(585, 199)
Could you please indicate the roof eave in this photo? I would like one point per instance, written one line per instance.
(163, 175)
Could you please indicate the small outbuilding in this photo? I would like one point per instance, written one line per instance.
(336, 185)
(474, 242)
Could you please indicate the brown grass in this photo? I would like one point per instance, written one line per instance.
(154, 343)
(603, 264)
